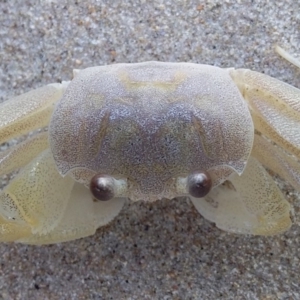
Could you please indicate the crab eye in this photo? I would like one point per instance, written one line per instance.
(102, 187)
(199, 184)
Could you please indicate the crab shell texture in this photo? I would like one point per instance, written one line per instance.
(148, 127)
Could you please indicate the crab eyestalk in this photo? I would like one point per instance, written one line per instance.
(199, 184)
(104, 187)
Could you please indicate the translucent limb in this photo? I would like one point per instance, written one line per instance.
(28, 111)
(287, 56)
(248, 204)
(20, 155)
(39, 206)
(274, 158)
(274, 105)
(81, 218)
(37, 196)
(267, 130)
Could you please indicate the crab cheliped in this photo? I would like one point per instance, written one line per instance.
(148, 131)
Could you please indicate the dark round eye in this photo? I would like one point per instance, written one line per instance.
(199, 184)
(102, 187)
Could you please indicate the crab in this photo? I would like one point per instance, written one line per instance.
(147, 131)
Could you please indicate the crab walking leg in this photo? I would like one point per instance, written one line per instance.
(275, 107)
(36, 197)
(287, 56)
(274, 158)
(21, 154)
(267, 130)
(248, 204)
(81, 218)
(29, 111)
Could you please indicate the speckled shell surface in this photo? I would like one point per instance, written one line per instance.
(151, 123)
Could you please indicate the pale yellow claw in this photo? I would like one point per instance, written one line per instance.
(248, 204)
(39, 206)
(37, 195)
(81, 218)
(11, 231)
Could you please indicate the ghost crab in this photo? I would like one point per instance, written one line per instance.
(146, 131)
